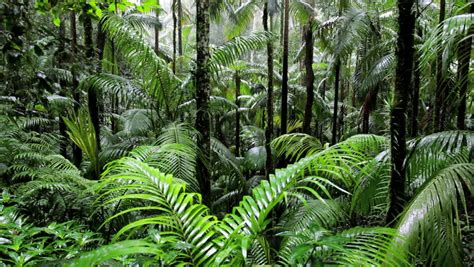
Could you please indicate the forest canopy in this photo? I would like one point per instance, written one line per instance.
(236, 133)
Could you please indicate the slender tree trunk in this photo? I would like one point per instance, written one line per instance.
(405, 53)
(269, 127)
(340, 118)
(157, 30)
(62, 125)
(180, 28)
(369, 105)
(237, 114)
(92, 94)
(440, 79)
(336, 100)
(284, 87)
(323, 97)
(100, 44)
(76, 151)
(173, 10)
(464, 58)
(415, 101)
(87, 24)
(308, 61)
(203, 98)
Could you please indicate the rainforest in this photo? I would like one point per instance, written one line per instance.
(236, 133)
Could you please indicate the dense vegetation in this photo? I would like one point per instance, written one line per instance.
(236, 133)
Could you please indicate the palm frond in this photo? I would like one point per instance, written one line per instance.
(231, 51)
(180, 214)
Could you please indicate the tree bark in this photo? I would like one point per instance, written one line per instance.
(76, 151)
(308, 61)
(87, 24)
(202, 98)
(369, 105)
(464, 58)
(157, 30)
(92, 95)
(61, 60)
(180, 28)
(415, 101)
(284, 87)
(100, 44)
(336, 100)
(173, 10)
(440, 79)
(237, 114)
(269, 127)
(405, 52)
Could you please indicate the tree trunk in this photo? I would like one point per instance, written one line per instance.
(173, 10)
(202, 98)
(369, 105)
(440, 79)
(464, 58)
(415, 101)
(323, 97)
(336, 100)
(308, 62)
(237, 114)
(61, 56)
(100, 44)
(76, 151)
(87, 24)
(405, 51)
(269, 127)
(157, 30)
(180, 28)
(284, 87)
(92, 95)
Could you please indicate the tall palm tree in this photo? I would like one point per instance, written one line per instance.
(440, 95)
(92, 93)
(61, 61)
(180, 27)
(157, 29)
(203, 91)
(237, 113)
(405, 54)
(284, 86)
(415, 97)
(76, 151)
(175, 21)
(267, 21)
(309, 80)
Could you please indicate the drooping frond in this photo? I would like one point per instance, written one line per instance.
(176, 159)
(115, 251)
(354, 247)
(445, 39)
(295, 146)
(427, 225)
(240, 18)
(327, 214)
(301, 10)
(158, 78)
(178, 215)
(231, 51)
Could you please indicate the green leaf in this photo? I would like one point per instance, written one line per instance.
(57, 21)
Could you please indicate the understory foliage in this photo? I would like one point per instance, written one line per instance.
(102, 158)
